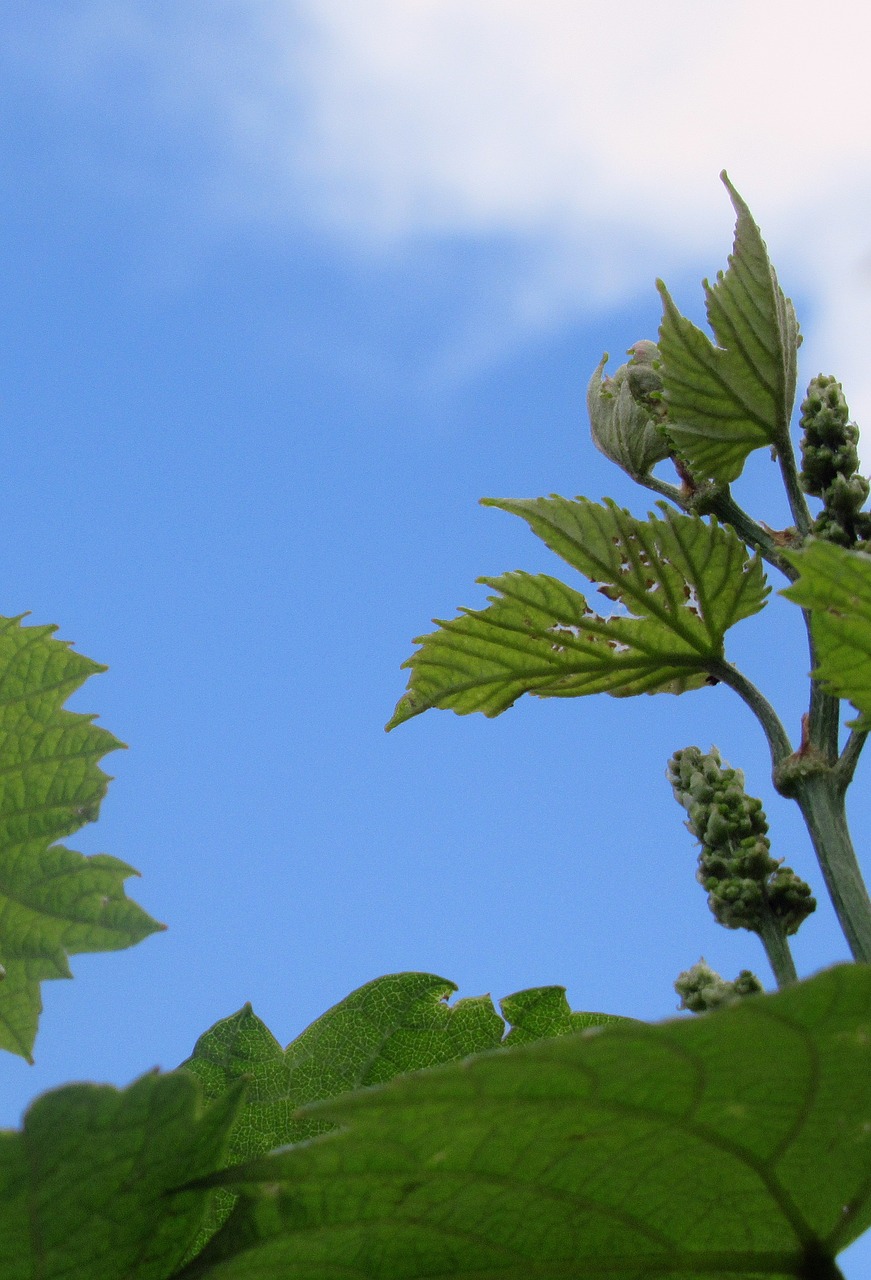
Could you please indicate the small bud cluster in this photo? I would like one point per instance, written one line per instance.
(701, 988)
(626, 411)
(830, 464)
(747, 888)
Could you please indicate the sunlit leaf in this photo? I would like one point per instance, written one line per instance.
(728, 399)
(835, 585)
(396, 1024)
(733, 1144)
(678, 584)
(53, 902)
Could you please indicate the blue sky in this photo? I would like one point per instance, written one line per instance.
(286, 292)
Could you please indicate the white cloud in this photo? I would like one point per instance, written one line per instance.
(590, 131)
(594, 131)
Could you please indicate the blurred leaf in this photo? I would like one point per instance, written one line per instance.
(683, 581)
(53, 902)
(736, 1143)
(835, 585)
(87, 1189)
(725, 401)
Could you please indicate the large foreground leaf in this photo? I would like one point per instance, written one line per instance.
(735, 1144)
(87, 1189)
(835, 585)
(726, 400)
(394, 1025)
(53, 902)
(680, 584)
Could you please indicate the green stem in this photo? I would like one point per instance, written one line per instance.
(820, 796)
(776, 946)
(821, 1268)
(823, 727)
(846, 766)
(726, 509)
(824, 723)
(778, 740)
(818, 789)
(664, 489)
(791, 483)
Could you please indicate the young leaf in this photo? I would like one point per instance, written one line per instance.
(725, 401)
(835, 585)
(389, 1027)
(53, 902)
(736, 1143)
(88, 1187)
(683, 581)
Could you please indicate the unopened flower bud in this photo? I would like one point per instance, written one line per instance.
(830, 465)
(701, 988)
(622, 417)
(746, 887)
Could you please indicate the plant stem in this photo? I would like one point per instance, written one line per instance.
(824, 711)
(818, 789)
(778, 740)
(820, 796)
(846, 765)
(791, 483)
(727, 510)
(822, 1268)
(664, 489)
(776, 946)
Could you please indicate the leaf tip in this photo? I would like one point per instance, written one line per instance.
(667, 300)
(405, 708)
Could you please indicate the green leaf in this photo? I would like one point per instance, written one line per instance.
(835, 585)
(543, 1012)
(622, 428)
(88, 1188)
(394, 1025)
(736, 1143)
(53, 902)
(680, 583)
(725, 401)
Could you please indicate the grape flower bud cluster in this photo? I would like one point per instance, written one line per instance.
(830, 464)
(747, 888)
(701, 988)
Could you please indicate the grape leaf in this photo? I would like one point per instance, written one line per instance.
(684, 580)
(542, 1012)
(835, 585)
(725, 401)
(737, 1143)
(394, 1025)
(87, 1188)
(53, 902)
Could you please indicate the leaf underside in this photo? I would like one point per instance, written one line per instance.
(835, 585)
(88, 1189)
(679, 583)
(54, 902)
(737, 1143)
(394, 1025)
(726, 400)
